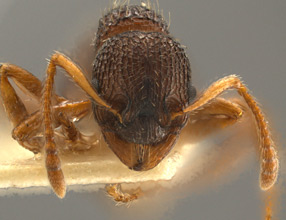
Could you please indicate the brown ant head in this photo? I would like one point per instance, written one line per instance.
(144, 75)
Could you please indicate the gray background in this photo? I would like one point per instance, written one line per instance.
(245, 37)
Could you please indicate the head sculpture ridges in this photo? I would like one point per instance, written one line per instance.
(127, 12)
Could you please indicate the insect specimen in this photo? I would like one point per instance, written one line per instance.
(141, 95)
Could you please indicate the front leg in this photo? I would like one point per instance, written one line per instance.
(219, 107)
(28, 83)
(26, 126)
(65, 115)
(29, 133)
(216, 115)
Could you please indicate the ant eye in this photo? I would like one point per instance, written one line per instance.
(95, 84)
(192, 92)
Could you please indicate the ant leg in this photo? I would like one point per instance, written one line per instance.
(74, 110)
(25, 80)
(13, 105)
(114, 190)
(53, 164)
(65, 114)
(219, 107)
(26, 127)
(268, 155)
(28, 83)
(216, 115)
(29, 132)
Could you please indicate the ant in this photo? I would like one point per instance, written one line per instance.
(141, 95)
